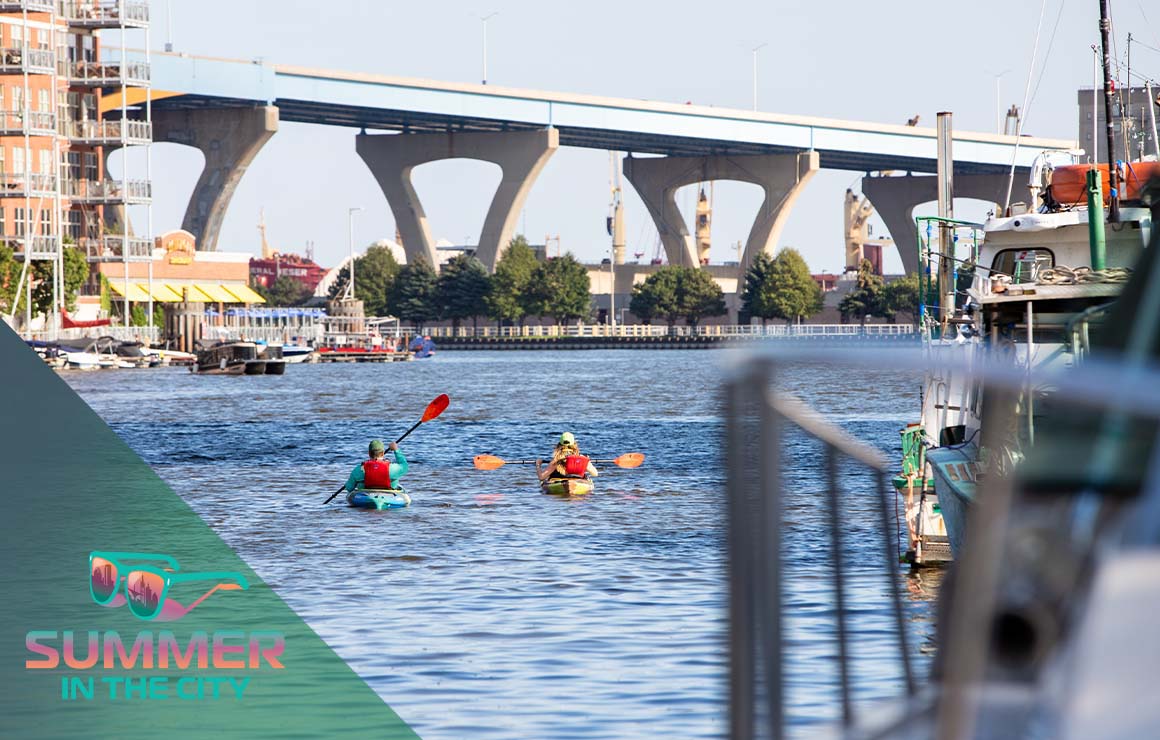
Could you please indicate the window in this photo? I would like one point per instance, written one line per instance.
(90, 107)
(91, 166)
(46, 163)
(45, 222)
(44, 101)
(18, 160)
(18, 221)
(73, 226)
(17, 36)
(2, 229)
(18, 99)
(1023, 265)
(74, 166)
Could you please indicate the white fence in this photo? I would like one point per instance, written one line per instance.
(122, 333)
(662, 330)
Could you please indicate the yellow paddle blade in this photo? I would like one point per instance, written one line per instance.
(630, 460)
(488, 462)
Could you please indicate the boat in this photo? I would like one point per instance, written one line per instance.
(230, 358)
(577, 486)
(275, 363)
(295, 353)
(1036, 294)
(363, 498)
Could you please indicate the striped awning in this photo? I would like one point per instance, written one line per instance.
(134, 292)
(161, 293)
(244, 294)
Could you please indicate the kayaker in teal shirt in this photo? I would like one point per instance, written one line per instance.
(376, 473)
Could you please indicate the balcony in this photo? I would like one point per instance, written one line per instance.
(116, 248)
(32, 6)
(32, 184)
(14, 61)
(34, 123)
(97, 192)
(97, 133)
(106, 13)
(42, 247)
(108, 74)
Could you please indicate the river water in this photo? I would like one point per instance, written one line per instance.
(488, 610)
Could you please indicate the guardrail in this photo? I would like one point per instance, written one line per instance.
(26, 60)
(106, 132)
(655, 330)
(121, 333)
(35, 122)
(106, 13)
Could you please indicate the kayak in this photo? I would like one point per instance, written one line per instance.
(378, 499)
(567, 486)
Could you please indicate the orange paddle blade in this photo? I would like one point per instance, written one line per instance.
(487, 462)
(630, 460)
(436, 407)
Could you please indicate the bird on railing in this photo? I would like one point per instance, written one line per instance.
(913, 121)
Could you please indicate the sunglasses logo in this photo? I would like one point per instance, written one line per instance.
(117, 578)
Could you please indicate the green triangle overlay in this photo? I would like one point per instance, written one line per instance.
(70, 486)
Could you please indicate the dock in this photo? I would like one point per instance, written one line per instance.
(352, 354)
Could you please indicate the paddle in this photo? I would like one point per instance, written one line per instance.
(436, 407)
(491, 462)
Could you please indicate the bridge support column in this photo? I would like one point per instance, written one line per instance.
(895, 198)
(229, 138)
(781, 176)
(520, 154)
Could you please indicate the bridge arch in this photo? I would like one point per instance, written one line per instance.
(392, 159)
(780, 176)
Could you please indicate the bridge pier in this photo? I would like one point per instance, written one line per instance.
(520, 154)
(895, 199)
(229, 138)
(781, 176)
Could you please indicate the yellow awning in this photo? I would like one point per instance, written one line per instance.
(134, 293)
(162, 293)
(244, 293)
(216, 293)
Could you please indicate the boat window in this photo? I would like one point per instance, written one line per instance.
(1023, 265)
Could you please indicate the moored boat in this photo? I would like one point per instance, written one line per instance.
(577, 486)
(378, 499)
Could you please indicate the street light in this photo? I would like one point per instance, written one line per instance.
(999, 105)
(350, 242)
(484, 19)
(755, 50)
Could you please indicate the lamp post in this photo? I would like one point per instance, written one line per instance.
(999, 105)
(350, 243)
(755, 50)
(484, 19)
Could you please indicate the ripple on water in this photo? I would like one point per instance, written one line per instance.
(486, 609)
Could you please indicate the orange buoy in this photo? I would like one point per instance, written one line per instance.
(1069, 183)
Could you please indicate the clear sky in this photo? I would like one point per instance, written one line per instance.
(874, 61)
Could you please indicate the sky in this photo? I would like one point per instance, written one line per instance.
(872, 61)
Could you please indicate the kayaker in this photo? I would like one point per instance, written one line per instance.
(376, 473)
(566, 462)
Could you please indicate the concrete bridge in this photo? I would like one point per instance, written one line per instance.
(230, 108)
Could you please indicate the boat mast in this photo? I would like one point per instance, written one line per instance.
(1109, 93)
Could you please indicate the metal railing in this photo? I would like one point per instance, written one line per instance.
(121, 333)
(758, 419)
(34, 61)
(106, 13)
(114, 247)
(37, 123)
(38, 247)
(108, 132)
(108, 191)
(660, 330)
(107, 73)
(29, 183)
(32, 6)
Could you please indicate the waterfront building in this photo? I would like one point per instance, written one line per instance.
(65, 100)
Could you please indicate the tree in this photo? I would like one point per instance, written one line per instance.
(285, 291)
(673, 293)
(792, 292)
(76, 272)
(902, 296)
(656, 297)
(756, 298)
(375, 273)
(9, 276)
(507, 300)
(698, 295)
(867, 297)
(461, 288)
(413, 297)
(560, 289)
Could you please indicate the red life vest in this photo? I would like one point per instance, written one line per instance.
(575, 465)
(376, 474)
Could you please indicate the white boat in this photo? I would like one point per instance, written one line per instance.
(83, 360)
(295, 353)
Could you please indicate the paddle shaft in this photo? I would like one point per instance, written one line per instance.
(533, 462)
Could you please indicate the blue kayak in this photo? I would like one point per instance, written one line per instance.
(378, 499)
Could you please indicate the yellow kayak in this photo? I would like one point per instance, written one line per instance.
(567, 486)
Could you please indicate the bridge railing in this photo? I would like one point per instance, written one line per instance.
(662, 330)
